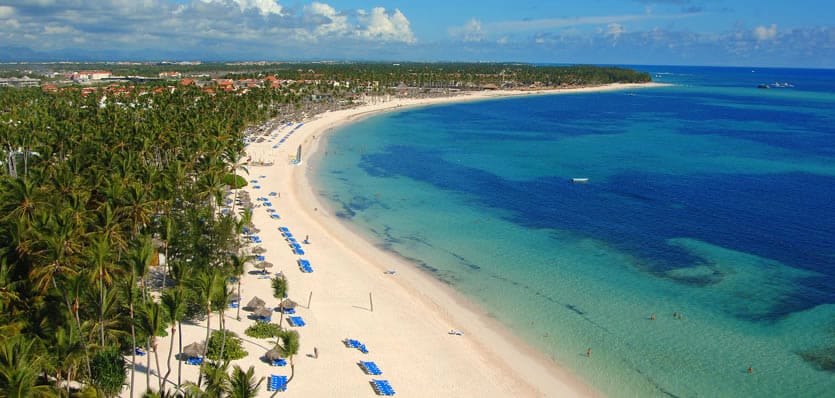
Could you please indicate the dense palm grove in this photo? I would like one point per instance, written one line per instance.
(93, 187)
(90, 190)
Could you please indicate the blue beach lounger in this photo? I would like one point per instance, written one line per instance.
(277, 383)
(382, 387)
(370, 368)
(296, 321)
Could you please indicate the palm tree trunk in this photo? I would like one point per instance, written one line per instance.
(159, 373)
(223, 328)
(168, 366)
(238, 316)
(206, 347)
(180, 362)
(78, 324)
(147, 363)
(133, 344)
(101, 307)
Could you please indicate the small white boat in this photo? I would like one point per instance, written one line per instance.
(579, 180)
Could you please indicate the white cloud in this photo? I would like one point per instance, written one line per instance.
(330, 22)
(384, 26)
(472, 31)
(6, 12)
(614, 30)
(763, 33)
(264, 7)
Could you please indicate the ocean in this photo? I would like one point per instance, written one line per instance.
(710, 206)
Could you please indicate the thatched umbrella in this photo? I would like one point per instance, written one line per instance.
(259, 250)
(287, 303)
(273, 354)
(261, 266)
(266, 264)
(264, 313)
(255, 303)
(193, 350)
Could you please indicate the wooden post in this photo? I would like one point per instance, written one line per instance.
(309, 297)
(371, 301)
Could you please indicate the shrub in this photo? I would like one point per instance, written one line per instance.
(108, 371)
(241, 181)
(263, 330)
(233, 349)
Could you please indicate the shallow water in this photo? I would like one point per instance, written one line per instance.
(711, 198)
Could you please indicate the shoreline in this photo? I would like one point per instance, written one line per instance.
(404, 319)
(534, 371)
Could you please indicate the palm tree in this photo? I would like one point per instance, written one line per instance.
(19, 368)
(287, 343)
(175, 306)
(216, 377)
(238, 268)
(150, 323)
(280, 288)
(100, 258)
(243, 384)
(205, 286)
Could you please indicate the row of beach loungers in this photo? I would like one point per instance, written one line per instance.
(286, 136)
(381, 387)
(277, 383)
(305, 266)
(351, 343)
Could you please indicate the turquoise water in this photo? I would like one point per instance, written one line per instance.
(711, 198)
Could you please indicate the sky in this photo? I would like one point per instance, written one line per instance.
(799, 33)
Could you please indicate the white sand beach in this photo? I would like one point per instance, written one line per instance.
(408, 331)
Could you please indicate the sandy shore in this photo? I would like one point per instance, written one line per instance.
(406, 329)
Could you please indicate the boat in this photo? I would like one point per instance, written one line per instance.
(763, 86)
(579, 180)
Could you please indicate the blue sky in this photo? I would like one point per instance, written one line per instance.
(797, 33)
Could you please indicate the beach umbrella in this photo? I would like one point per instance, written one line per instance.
(255, 303)
(255, 230)
(287, 303)
(273, 354)
(267, 264)
(259, 250)
(264, 313)
(193, 350)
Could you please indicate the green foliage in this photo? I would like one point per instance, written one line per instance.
(263, 330)
(288, 343)
(108, 371)
(233, 350)
(241, 181)
(280, 286)
(242, 384)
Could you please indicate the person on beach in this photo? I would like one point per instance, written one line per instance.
(315, 353)
(588, 353)
(652, 317)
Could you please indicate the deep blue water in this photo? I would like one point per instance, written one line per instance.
(711, 194)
